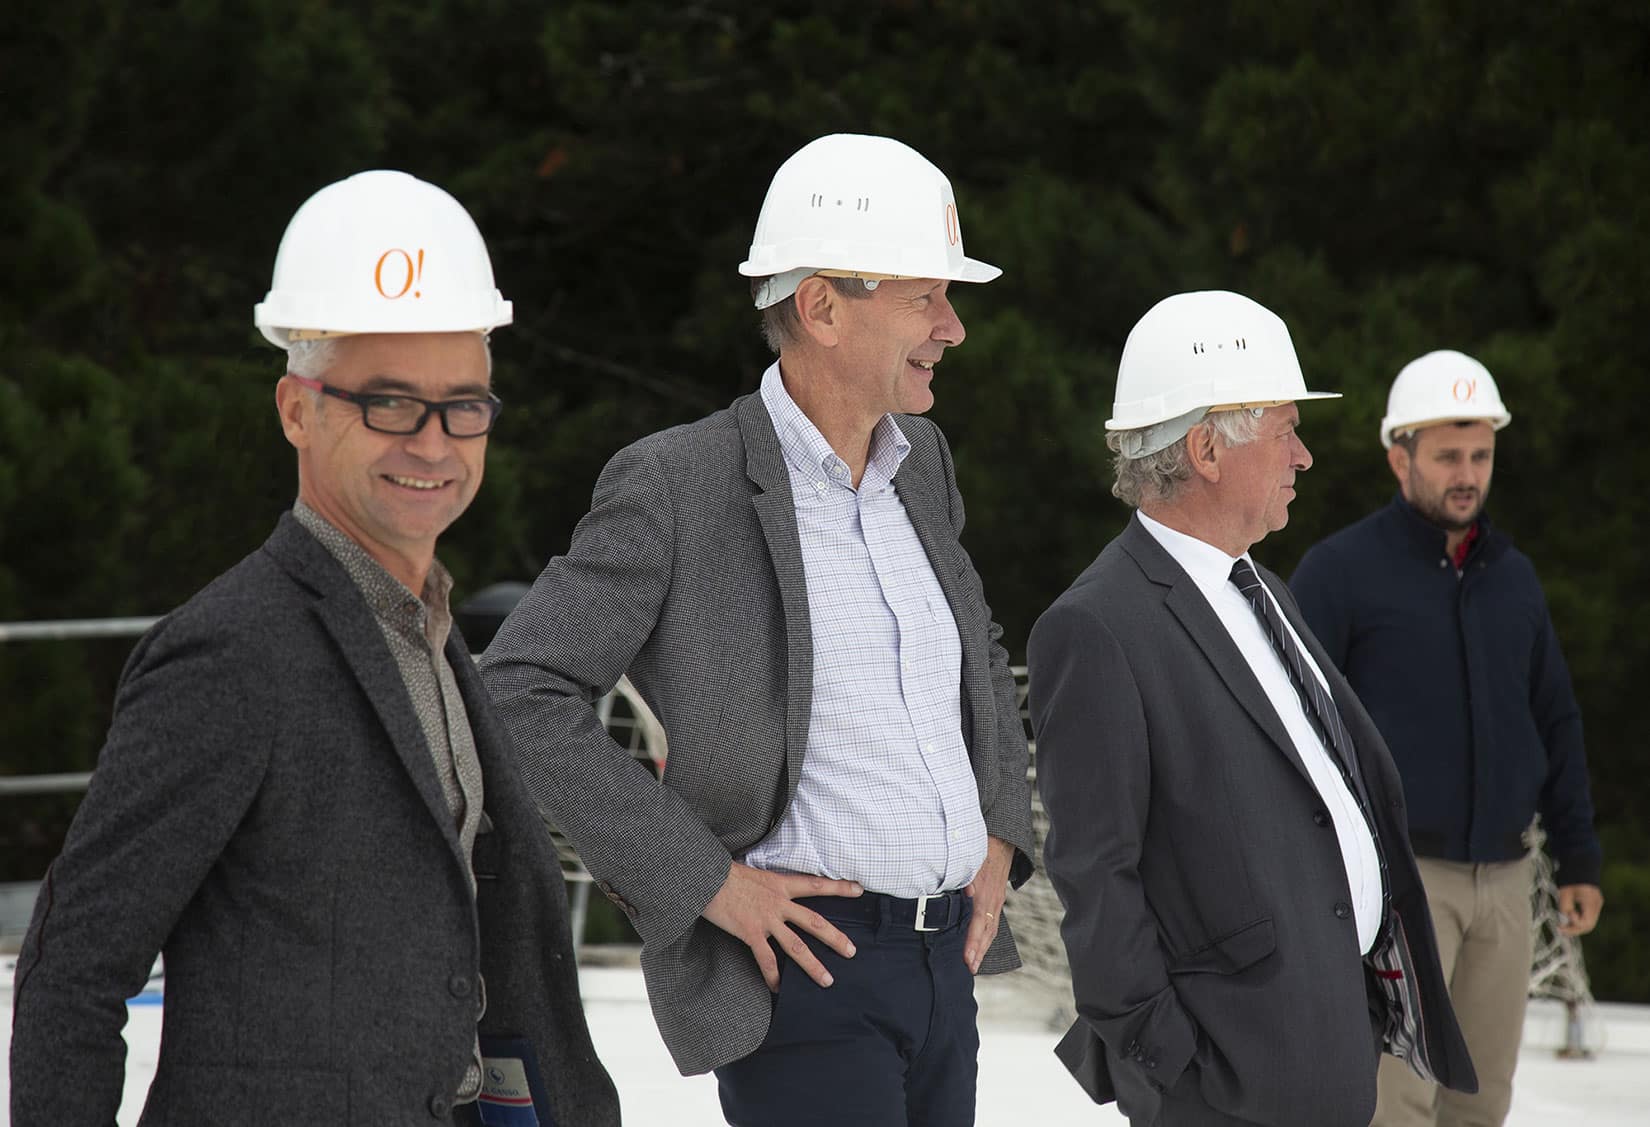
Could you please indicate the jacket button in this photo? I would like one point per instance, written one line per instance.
(458, 986)
(1342, 909)
(1320, 817)
(440, 1105)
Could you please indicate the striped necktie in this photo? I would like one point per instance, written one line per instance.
(1315, 700)
(1321, 714)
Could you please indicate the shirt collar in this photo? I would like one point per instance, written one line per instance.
(805, 447)
(1209, 566)
(386, 596)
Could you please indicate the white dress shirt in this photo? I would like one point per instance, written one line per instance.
(1211, 569)
(887, 794)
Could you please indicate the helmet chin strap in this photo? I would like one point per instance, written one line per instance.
(1142, 441)
(778, 287)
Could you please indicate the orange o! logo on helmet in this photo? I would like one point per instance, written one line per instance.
(953, 230)
(1464, 390)
(410, 271)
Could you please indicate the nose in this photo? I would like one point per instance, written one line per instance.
(429, 441)
(948, 328)
(1301, 457)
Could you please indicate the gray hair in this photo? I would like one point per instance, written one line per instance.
(782, 324)
(1157, 477)
(313, 359)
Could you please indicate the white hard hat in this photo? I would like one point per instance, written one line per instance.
(859, 206)
(380, 252)
(1442, 387)
(1196, 352)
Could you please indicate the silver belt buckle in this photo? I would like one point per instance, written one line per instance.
(921, 923)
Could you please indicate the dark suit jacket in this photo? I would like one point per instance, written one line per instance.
(266, 811)
(1207, 910)
(688, 574)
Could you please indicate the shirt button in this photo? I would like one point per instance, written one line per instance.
(928, 748)
(819, 485)
(1342, 909)
(905, 664)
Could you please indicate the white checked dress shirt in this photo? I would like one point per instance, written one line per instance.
(887, 794)
(1211, 568)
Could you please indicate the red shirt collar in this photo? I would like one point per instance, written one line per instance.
(1460, 556)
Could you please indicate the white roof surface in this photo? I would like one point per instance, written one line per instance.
(1021, 1083)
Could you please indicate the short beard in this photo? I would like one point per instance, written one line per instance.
(1435, 516)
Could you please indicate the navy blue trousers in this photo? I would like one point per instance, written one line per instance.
(891, 1043)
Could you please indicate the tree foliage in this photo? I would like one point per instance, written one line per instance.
(1390, 180)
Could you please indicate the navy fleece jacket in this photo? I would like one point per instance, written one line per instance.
(1463, 675)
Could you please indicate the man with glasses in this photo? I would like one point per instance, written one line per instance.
(304, 802)
(822, 868)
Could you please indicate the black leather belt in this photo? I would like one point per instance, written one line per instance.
(938, 912)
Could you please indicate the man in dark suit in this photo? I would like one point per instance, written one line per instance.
(305, 802)
(783, 583)
(1244, 920)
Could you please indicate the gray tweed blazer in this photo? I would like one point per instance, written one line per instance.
(266, 811)
(687, 574)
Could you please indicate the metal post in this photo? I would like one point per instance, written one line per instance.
(1575, 1045)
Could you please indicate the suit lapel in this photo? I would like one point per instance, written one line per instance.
(345, 615)
(776, 511)
(1199, 620)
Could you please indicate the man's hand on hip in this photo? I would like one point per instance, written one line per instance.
(988, 888)
(1579, 904)
(755, 906)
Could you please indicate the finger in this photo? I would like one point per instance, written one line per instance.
(795, 885)
(767, 964)
(799, 952)
(978, 939)
(823, 930)
(1587, 913)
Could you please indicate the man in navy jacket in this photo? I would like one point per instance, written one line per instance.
(1441, 626)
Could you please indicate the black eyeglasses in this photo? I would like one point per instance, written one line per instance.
(407, 414)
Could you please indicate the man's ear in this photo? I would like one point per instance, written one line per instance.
(297, 409)
(1203, 449)
(1398, 458)
(820, 308)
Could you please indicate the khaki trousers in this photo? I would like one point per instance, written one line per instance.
(1482, 915)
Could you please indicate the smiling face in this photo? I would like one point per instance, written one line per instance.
(392, 494)
(1444, 472)
(1257, 479)
(891, 340)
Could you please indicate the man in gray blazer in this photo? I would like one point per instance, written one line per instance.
(1244, 920)
(305, 801)
(783, 583)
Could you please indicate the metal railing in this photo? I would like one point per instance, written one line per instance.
(75, 628)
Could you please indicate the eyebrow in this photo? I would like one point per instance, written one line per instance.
(391, 385)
